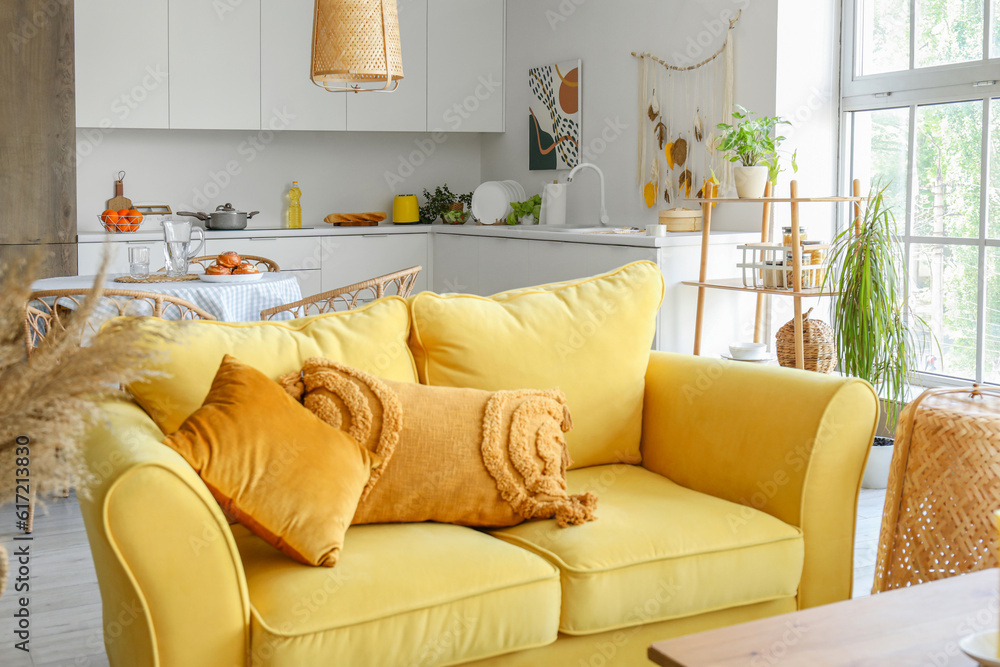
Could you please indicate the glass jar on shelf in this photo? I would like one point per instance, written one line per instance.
(786, 236)
(813, 256)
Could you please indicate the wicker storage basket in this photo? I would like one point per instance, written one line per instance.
(820, 352)
(943, 488)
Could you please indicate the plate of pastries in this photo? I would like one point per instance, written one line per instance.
(229, 267)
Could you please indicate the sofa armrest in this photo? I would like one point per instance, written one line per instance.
(171, 579)
(790, 443)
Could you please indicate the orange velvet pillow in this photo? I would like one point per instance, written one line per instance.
(279, 470)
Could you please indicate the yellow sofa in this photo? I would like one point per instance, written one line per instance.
(743, 507)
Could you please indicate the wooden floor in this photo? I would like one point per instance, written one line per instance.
(66, 605)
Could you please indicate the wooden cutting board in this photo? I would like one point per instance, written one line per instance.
(119, 201)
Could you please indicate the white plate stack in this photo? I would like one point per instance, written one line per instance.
(491, 200)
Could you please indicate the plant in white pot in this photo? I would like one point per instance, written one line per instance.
(874, 327)
(752, 143)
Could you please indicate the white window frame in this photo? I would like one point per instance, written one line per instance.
(977, 80)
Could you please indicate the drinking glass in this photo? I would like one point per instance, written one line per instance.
(138, 261)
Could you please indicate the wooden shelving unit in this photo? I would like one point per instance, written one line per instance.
(797, 292)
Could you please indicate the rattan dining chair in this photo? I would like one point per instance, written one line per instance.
(944, 485)
(49, 310)
(349, 297)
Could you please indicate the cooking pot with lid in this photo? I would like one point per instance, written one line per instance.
(224, 217)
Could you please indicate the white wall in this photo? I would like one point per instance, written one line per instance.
(337, 171)
(604, 33)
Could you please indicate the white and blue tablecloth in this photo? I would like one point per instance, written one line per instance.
(228, 302)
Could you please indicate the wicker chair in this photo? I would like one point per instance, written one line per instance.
(944, 486)
(49, 310)
(262, 263)
(350, 297)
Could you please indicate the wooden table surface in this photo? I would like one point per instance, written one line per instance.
(920, 625)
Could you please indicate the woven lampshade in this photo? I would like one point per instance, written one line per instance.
(356, 46)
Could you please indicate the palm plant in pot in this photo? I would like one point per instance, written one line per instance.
(753, 143)
(874, 327)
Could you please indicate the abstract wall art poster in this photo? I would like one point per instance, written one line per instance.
(554, 116)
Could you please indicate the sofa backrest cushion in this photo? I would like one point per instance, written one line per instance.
(372, 338)
(590, 338)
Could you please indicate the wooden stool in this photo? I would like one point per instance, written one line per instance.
(944, 485)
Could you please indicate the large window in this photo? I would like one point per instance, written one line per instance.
(922, 115)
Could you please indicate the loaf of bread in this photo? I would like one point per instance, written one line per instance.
(338, 218)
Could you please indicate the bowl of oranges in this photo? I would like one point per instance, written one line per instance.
(125, 220)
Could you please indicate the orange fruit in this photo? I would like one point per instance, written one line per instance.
(124, 218)
(110, 220)
(134, 218)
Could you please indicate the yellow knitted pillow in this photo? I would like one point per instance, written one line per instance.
(451, 455)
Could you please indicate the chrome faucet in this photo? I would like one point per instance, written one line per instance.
(605, 219)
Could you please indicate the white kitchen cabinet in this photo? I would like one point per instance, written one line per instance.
(291, 254)
(465, 65)
(286, 88)
(456, 264)
(353, 259)
(552, 261)
(89, 256)
(301, 257)
(310, 282)
(404, 110)
(121, 63)
(215, 72)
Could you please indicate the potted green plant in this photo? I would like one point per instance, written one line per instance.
(445, 204)
(752, 143)
(873, 324)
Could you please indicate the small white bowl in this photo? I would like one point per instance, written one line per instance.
(981, 647)
(748, 351)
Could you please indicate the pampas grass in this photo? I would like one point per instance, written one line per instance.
(53, 396)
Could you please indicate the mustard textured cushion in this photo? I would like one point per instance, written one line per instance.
(462, 456)
(372, 338)
(590, 338)
(402, 594)
(286, 475)
(659, 551)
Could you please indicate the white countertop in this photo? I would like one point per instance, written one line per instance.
(533, 232)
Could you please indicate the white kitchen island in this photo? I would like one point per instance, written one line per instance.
(480, 260)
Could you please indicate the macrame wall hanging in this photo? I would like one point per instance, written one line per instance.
(679, 109)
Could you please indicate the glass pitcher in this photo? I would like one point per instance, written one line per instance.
(178, 253)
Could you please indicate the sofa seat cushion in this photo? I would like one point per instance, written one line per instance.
(401, 594)
(659, 551)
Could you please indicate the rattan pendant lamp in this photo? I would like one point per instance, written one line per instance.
(356, 46)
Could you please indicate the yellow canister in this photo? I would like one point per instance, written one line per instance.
(405, 210)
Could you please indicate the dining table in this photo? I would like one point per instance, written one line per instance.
(227, 302)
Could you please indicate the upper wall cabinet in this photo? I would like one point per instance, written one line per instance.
(215, 64)
(244, 65)
(465, 65)
(288, 98)
(404, 110)
(121, 63)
